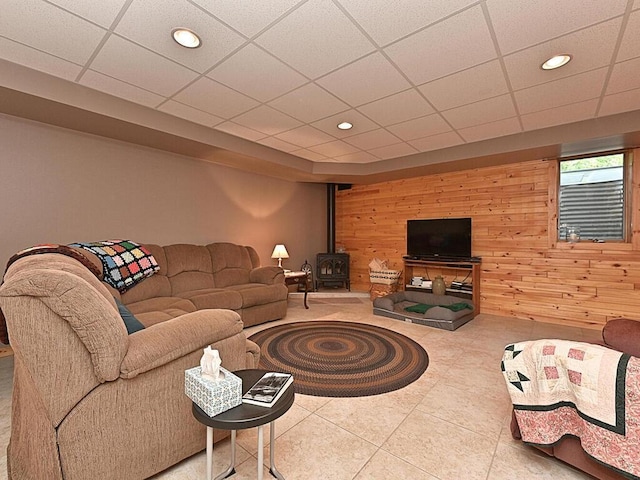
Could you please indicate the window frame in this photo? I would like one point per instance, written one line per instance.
(631, 216)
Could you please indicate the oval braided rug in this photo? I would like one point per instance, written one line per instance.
(341, 359)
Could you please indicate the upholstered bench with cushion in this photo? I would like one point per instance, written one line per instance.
(440, 311)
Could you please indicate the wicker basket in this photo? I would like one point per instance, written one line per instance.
(381, 290)
(383, 282)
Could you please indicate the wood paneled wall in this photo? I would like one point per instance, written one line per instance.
(525, 272)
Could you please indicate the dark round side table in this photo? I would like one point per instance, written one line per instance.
(245, 416)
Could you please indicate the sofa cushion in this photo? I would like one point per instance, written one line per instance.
(258, 294)
(231, 263)
(188, 268)
(155, 310)
(130, 321)
(214, 298)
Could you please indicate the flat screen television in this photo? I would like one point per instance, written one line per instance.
(446, 238)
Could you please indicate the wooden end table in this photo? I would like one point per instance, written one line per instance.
(298, 278)
(246, 416)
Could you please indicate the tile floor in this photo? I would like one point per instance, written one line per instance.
(451, 424)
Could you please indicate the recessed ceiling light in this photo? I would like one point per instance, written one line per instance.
(556, 61)
(186, 37)
(345, 126)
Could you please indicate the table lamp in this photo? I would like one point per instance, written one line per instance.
(280, 252)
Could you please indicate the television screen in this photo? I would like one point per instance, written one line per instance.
(446, 238)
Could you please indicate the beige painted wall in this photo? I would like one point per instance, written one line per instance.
(60, 186)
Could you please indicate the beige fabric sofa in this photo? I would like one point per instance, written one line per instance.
(91, 401)
(218, 275)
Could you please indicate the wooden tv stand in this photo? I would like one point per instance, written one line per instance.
(464, 271)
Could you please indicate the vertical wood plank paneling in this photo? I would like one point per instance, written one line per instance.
(525, 272)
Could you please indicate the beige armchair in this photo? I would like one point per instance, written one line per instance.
(89, 400)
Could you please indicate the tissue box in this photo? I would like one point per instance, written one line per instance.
(213, 397)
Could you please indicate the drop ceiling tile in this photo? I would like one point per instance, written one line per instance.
(424, 56)
(359, 157)
(133, 64)
(334, 149)
(102, 13)
(387, 22)
(240, 131)
(630, 46)
(279, 144)
(188, 113)
(577, 88)
(393, 151)
(215, 98)
(360, 124)
(620, 102)
(420, 127)
(120, 89)
(247, 16)
(437, 142)
(309, 103)
(625, 76)
(500, 128)
(397, 108)
(477, 83)
(29, 22)
(485, 111)
(160, 17)
(305, 136)
(365, 80)
(521, 23)
(334, 40)
(257, 74)
(37, 60)
(373, 139)
(560, 115)
(591, 48)
(267, 120)
(309, 155)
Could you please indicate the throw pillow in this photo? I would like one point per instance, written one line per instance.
(125, 263)
(130, 321)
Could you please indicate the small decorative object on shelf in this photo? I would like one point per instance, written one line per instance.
(573, 234)
(210, 364)
(438, 286)
(266, 391)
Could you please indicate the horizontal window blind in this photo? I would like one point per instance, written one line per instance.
(597, 208)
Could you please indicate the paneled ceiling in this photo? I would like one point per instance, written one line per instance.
(423, 82)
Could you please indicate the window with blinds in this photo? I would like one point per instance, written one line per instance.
(592, 197)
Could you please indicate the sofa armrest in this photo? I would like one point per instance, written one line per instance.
(267, 275)
(623, 334)
(166, 341)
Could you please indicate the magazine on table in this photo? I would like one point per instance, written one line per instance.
(266, 391)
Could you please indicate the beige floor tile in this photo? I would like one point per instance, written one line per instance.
(371, 418)
(463, 407)
(529, 463)
(248, 439)
(316, 448)
(311, 403)
(384, 466)
(196, 465)
(441, 448)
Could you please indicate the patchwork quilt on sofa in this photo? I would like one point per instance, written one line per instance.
(588, 391)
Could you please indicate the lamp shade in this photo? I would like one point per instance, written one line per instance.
(280, 251)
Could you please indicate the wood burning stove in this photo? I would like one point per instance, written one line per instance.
(332, 269)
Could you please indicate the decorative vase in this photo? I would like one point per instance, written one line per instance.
(438, 286)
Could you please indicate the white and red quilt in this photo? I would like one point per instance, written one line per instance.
(588, 391)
